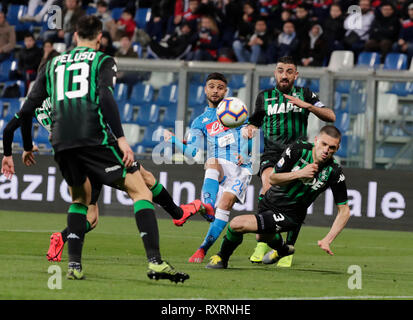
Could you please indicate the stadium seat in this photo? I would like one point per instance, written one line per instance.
(145, 115)
(356, 102)
(349, 146)
(195, 112)
(5, 68)
(159, 79)
(121, 92)
(267, 83)
(314, 85)
(90, 10)
(196, 95)
(242, 94)
(197, 79)
(142, 17)
(168, 118)
(132, 133)
(338, 101)
(126, 112)
(342, 121)
(41, 138)
(343, 86)
(368, 60)
(341, 59)
(167, 95)
(387, 105)
(401, 88)
(10, 108)
(236, 81)
(116, 13)
(388, 151)
(395, 61)
(141, 94)
(301, 82)
(137, 48)
(152, 136)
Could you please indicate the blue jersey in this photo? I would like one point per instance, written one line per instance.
(220, 142)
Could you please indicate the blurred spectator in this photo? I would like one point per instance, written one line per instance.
(302, 22)
(177, 46)
(125, 24)
(357, 27)
(28, 61)
(125, 50)
(285, 15)
(48, 52)
(206, 41)
(286, 44)
(161, 12)
(313, 48)
(291, 4)
(247, 24)
(383, 31)
(254, 48)
(405, 42)
(103, 13)
(334, 29)
(31, 10)
(187, 13)
(7, 38)
(106, 44)
(320, 9)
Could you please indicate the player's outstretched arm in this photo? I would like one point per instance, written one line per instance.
(324, 114)
(338, 225)
(189, 149)
(283, 178)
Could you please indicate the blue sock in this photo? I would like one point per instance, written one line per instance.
(215, 229)
(210, 187)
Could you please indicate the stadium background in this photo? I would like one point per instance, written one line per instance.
(372, 96)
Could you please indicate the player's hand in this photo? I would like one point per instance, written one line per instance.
(309, 170)
(298, 102)
(7, 167)
(167, 135)
(128, 156)
(28, 158)
(249, 131)
(323, 244)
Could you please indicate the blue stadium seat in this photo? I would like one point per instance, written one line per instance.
(267, 83)
(13, 13)
(42, 138)
(126, 112)
(167, 95)
(142, 16)
(395, 61)
(195, 112)
(141, 94)
(388, 151)
(169, 116)
(3, 124)
(152, 136)
(356, 102)
(338, 100)
(401, 88)
(146, 114)
(10, 108)
(197, 79)
(196, 95)
(136, 46)
(301, 82)
(91, 10)
(314, 85)
(121, 92)
(5, 68)
(349, 146)
(116, 13)
(236, 81)
(342, 121)
(368, 59)
(343, 86)
(17, 139)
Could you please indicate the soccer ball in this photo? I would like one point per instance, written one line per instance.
(232, 112)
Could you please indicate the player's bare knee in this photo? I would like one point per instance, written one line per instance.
(148, 177)
(237, 224)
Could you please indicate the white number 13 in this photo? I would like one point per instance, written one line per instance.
(80, 78)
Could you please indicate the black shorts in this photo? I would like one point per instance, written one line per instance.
(278, 219)
(269, 159)
(101, 164)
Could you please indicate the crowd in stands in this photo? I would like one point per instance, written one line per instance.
(257, 31)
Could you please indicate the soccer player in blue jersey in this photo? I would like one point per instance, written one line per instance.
(228, 163)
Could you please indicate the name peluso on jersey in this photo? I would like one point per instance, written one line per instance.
(75, 58)
(282, 108)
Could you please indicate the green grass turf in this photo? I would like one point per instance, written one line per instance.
(115, 264)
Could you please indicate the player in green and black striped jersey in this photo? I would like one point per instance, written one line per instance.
(282, 113)
(84, 114)
(303, 172)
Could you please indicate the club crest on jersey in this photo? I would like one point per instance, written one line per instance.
(215, 128)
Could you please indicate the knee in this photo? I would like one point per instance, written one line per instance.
(237, 224)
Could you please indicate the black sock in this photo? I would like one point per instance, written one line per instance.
(277, 243)
(229, 243)
(293, 235)
(162, 197)
(76, 224)
(148, 228)
(64, 232)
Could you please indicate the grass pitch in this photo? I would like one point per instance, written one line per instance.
(114, 263)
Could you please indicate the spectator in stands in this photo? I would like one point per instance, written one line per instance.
(254, 48)
(161, 12)
(106, 44)
(28, 61)
(189, 14)
(286, 44)
(405, 42)
(177, 46)
(334, 29)
(125, 49)
(320, 9)
(7, 38)
(48, 52)
(206, 41)
(302, 22)
(291, 4)
(125, 24)
(384, 31)
(285, 15)
(103, 13)
(31, 10)
(313, 48)
(357, 27)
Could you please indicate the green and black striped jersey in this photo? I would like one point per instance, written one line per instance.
(281, 121)
(43, 114)
(72, 82)
(301, 193)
